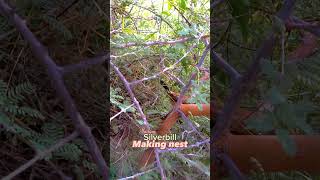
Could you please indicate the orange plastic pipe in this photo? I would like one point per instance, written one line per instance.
(194, 110)
(270, 154)
(148, 156)
(266, 149)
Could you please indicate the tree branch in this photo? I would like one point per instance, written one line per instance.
(189, 122)
(131, 94)
(55, 75)
(84, 64)
(137, 175)
(197, 144)
(41, 155)
(161, 43)
(296, 23)
(240, 86)
(164, 70)
(231, 166)
(163, 176)
(225, 66)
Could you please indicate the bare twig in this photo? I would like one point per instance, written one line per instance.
(163, 176)
(132, 96)
(41, 155)
(115, 31)
(189, 122)
(197, 165)
(55, 75)
(138, 174)
(173, 77)
(122, 110)
(232, 167)
(161, 43)
(225, 66)
(296, 23)
(197, 144)
(164, 70)
(84, 64)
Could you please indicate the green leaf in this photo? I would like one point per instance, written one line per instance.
(128, 31)
(166, 13)
(150, 36)
(170, 4)
(274, 96)
(183, 5)
(286, 141)
(199, 105)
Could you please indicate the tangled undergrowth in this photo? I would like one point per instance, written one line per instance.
(145, 47)
(71, 31)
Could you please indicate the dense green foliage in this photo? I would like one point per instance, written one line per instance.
(158, 21)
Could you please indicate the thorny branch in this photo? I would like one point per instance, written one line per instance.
(41, 155)
(138, 174)
(240, 87)
(176, 106)
(164, 70)
(296, 23)
(197, 144)
(234, 171)
(189, 122)
(192, 77)
(131, 94)
(163, 176)
(55, 75)
(161, 43)
(84, 64)
(225, 66)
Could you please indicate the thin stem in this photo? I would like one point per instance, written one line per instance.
(189, 122)
(138, 174)
(231, 166)
(225, 66)
(164, 70)
(296, 23)
(84, 64)
(132, 96)
(41, 53)
(41, 155)
(163, 176)
(197, 144)
(161, 43)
